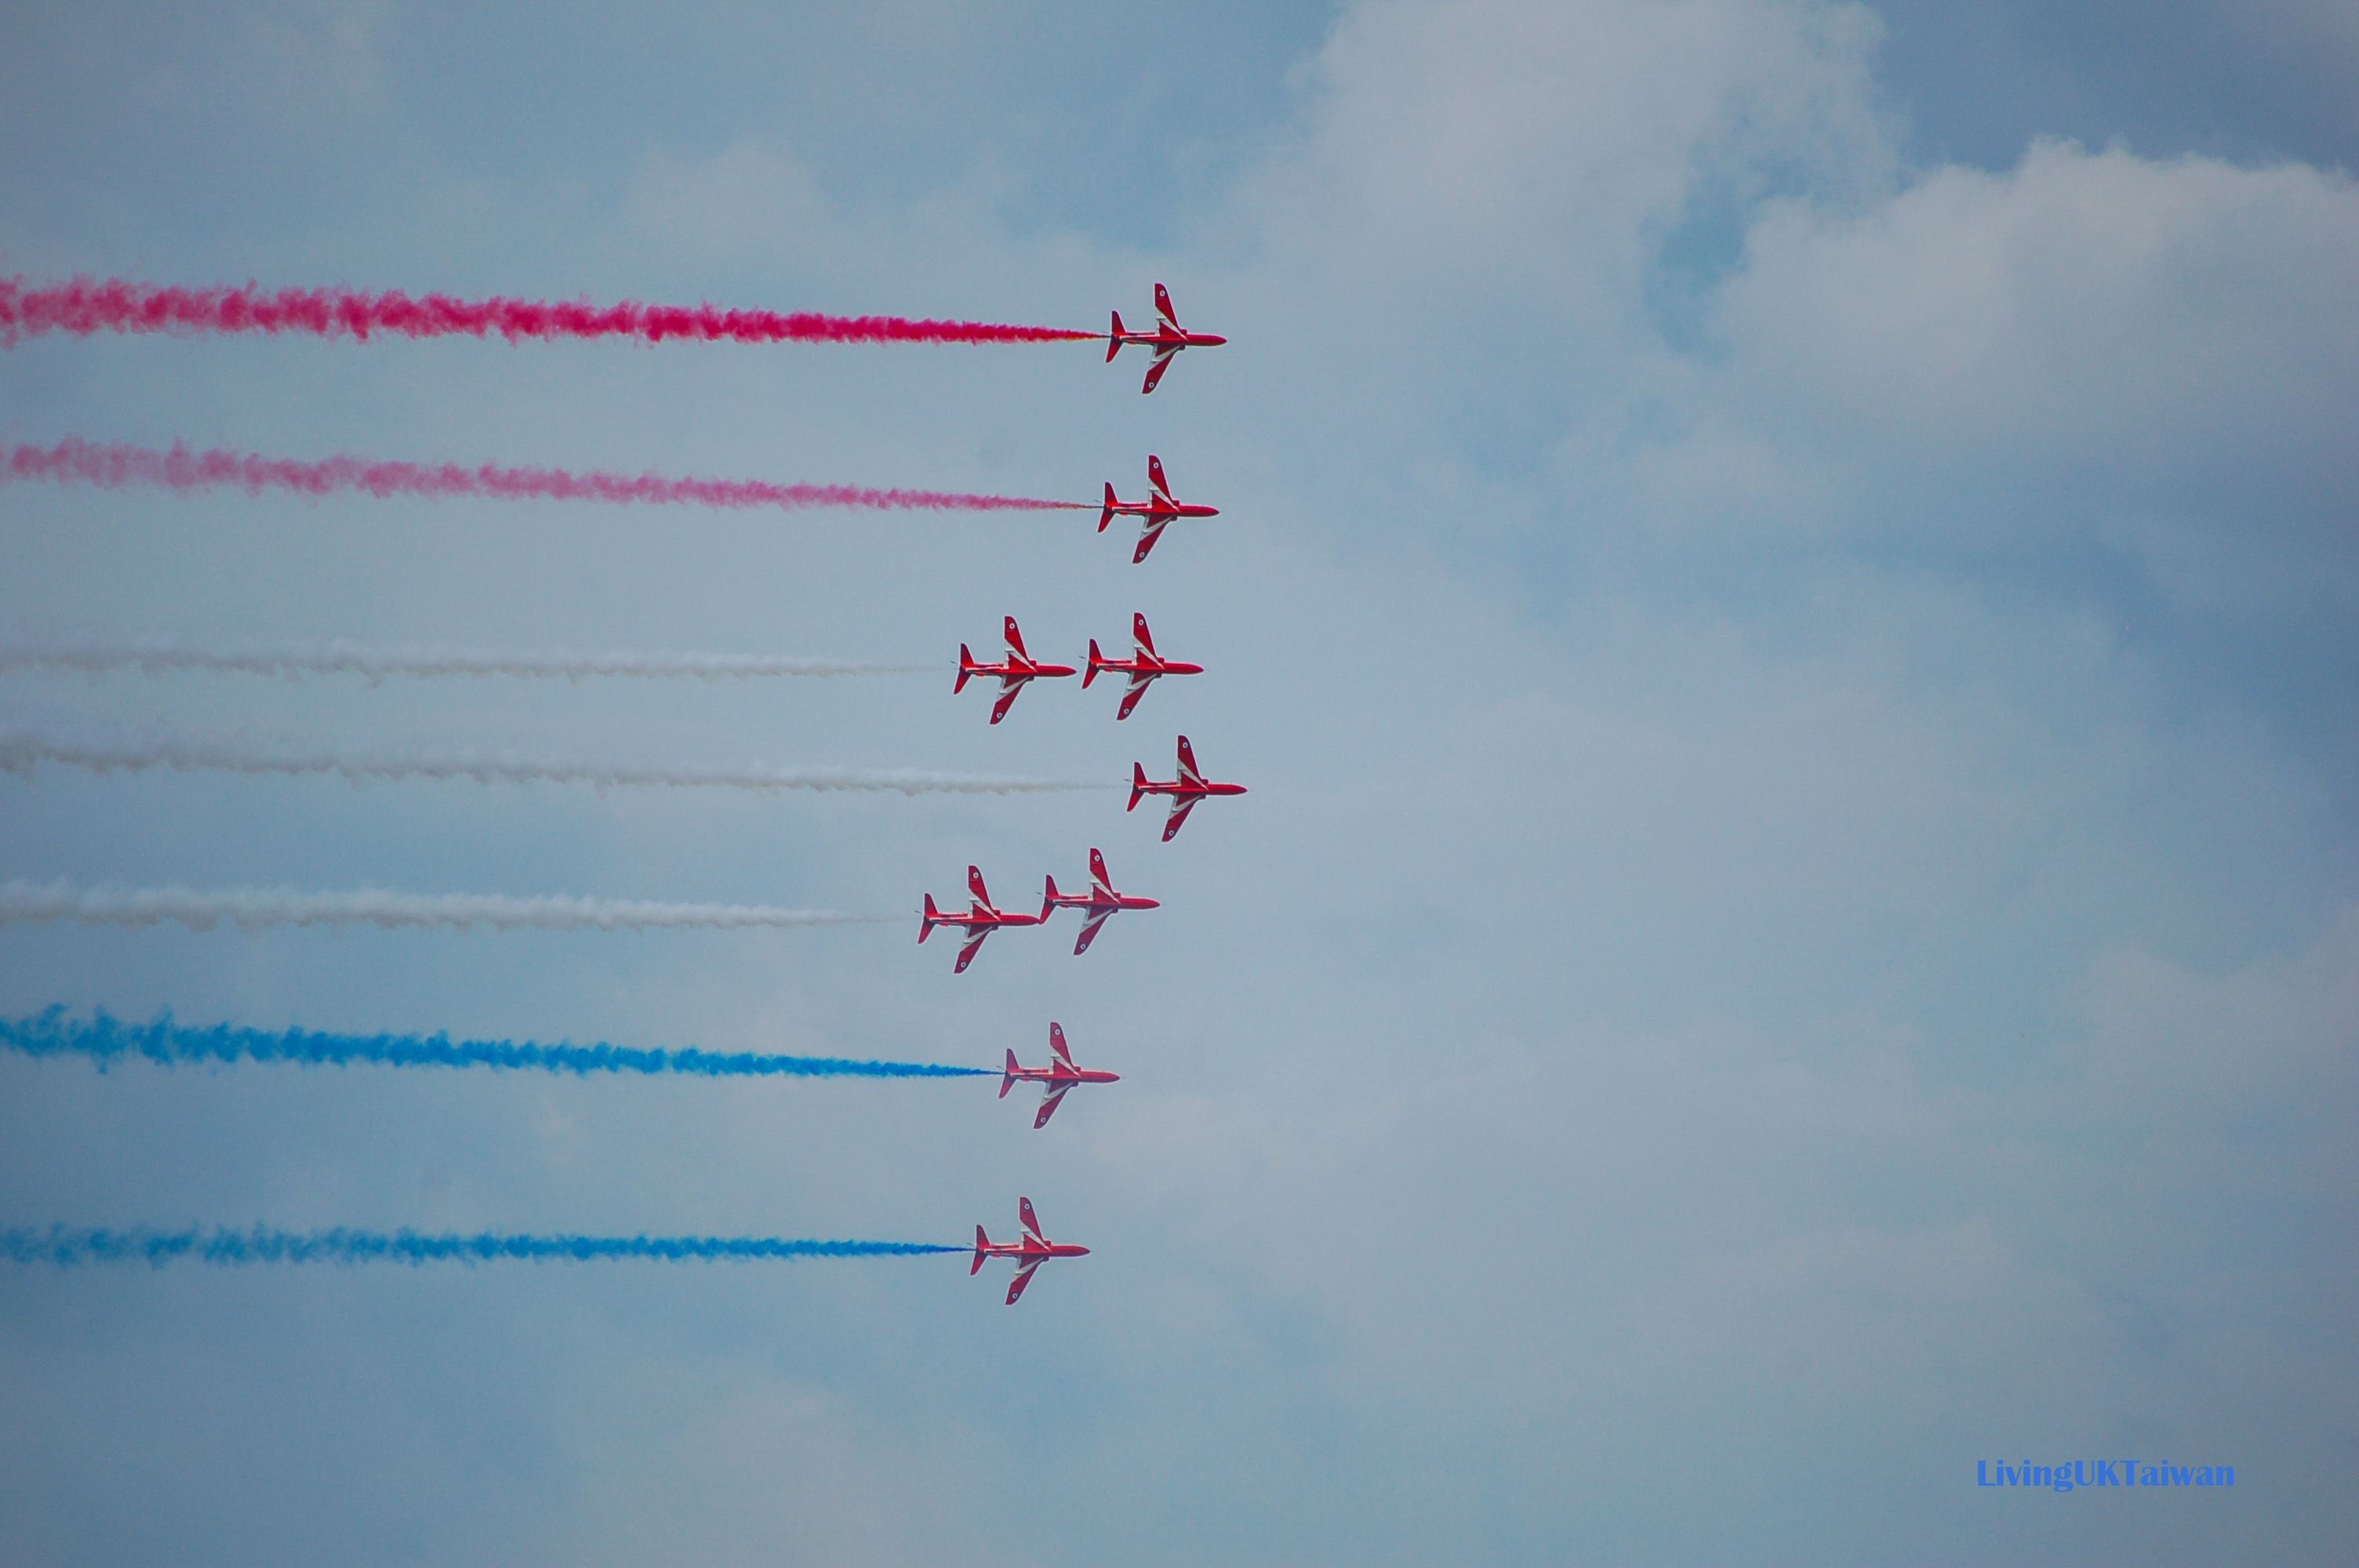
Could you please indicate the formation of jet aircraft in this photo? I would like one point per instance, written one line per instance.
(1154, 514)
(1029, 1250)
(1145, 667)
(1185, 790)
(1098, 905)
(1055, 1079)
(1099, 902)
(1163, 344)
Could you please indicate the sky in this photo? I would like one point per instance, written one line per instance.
(1786, 592)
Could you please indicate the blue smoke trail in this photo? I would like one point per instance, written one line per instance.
(71, 1247)
(106, 1040)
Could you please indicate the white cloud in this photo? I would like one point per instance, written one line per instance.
(2092, 314)
(2168, 1045)
(1534, 155)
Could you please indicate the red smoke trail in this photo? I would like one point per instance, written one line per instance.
(118, 305)
(76, 461)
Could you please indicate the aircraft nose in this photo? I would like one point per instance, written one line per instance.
(1081, 1251)
(1210, 340)
(1150, 903)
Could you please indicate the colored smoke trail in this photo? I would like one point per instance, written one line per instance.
(106, 1040)
(254, 908)
(87, 306)
(72, 1247)
(20, 752)
(113, 465)
(153, 657)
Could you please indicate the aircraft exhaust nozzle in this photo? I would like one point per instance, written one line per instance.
(981, 1241)
(1007, 1079)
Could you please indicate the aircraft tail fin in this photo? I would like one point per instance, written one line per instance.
(981, 1241)
(932, 915)
(1137, 784)
(1006, 1082)
(1105, 512)
(966, 669)
(1048, 900)
(1113, 339)
(1097, 660)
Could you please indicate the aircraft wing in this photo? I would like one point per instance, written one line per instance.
(1181, 804)
(1055, 1098)
(1147, 538)
(1162, 362)
(1023, 1272)
(1189, 772)
(1138, 685)
(1090, 929)
(1057, 1047)
(1007, 701)
(975, 945)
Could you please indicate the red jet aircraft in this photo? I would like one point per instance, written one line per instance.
(1100, 905)
(981, 921)
(1154, 514)
(1143, 667)
(1058, 1077)
(1029, 1250)
(1165, 341)
(1185, 790)
(1020, 667)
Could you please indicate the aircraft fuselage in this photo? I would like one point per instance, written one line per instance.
(1181, 786)
(1053, 1077)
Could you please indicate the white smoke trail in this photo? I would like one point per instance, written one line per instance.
(253, 908)
(19, 751)
(160, 658)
